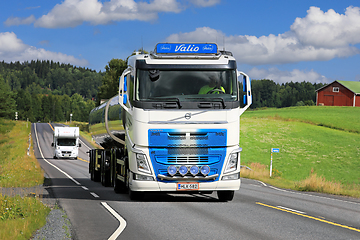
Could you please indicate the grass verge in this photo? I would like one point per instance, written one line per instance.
(313, 183)
(20, 217)
(312, 156)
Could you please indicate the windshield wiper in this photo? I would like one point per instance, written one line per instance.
(208, 100)
(222, 101)
(168, 105)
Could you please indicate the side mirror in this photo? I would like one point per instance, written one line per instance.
(79, 144)
(247, 98)
(244, 90)
(52, 144)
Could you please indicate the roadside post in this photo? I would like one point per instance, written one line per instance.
(273, 150)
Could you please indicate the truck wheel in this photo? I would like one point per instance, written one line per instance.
(105, 178)
(225, 196)
(119, 186)
(97, 175)
(55, 157)
(136, 195)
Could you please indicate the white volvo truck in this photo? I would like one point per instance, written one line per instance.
(66, 142)
(175, 124)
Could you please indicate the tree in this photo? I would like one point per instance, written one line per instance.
(65, 103)
(36, 102)
(110, 82)
(8, 105)
(24, 106)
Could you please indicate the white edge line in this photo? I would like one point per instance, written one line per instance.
(85, 144)
(122, 221)
(112, 211)
(310, 195)
(262, 183)
(67, 175)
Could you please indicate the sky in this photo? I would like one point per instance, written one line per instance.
(316, 41)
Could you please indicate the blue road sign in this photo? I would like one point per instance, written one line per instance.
(275, 150)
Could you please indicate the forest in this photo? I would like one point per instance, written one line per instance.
(267, 93)
(48, 91)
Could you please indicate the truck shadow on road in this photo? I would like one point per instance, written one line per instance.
(65, 188)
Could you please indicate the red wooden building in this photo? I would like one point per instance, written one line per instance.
(339, 93)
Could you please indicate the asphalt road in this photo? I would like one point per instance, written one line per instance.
(258, 211)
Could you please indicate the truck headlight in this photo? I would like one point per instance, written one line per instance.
(142, 163)
(233, 176)
(232, 163)
(140, 177)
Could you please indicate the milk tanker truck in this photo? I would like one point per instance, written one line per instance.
(174, 126)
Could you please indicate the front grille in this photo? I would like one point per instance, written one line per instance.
(187, 160)
(188, 151)
(174, 159)
(66, 152)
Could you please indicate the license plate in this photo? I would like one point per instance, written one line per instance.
(187, 186)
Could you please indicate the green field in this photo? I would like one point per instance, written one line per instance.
(342, 118)
(322, 140)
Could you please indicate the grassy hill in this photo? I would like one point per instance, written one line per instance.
(313, 140)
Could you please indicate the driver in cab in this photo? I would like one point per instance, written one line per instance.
(214, 87)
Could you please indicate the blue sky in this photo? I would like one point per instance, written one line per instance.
(315, 41)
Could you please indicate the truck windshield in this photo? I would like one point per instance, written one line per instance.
(66, 142)
(186, 85)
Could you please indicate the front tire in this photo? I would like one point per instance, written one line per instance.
(136, 196)
(225, 196)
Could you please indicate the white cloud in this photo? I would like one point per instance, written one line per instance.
(71, 13)
(329, 29)
(19, 21)
(203, 34)
(204, 3)
(317, 37)
(295, 75)
(13, 49)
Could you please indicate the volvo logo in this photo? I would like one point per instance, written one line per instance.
(187, 116)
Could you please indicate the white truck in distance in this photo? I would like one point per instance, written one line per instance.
(66, 142)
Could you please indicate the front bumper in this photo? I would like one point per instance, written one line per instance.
(155, 186)
(66, 154)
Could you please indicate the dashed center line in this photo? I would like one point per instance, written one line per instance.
(94, 194)
(291, 209)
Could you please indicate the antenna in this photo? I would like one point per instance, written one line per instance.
(224, 42)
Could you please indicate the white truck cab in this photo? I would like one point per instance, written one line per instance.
(180, 108)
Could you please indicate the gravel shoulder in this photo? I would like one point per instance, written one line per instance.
(58, 226)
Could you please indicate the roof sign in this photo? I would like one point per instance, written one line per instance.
(186, 48)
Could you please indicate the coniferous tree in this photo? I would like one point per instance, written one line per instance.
(8, 105)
